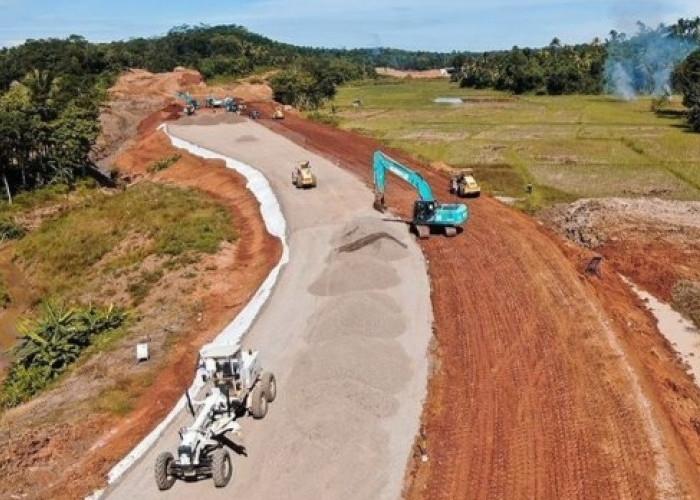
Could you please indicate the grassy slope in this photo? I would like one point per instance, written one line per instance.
(568, 146)
(114, 247)
(86, 250)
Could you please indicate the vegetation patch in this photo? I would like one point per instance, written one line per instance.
(50, 344)
(119, 398)
(5, 298)
(685, 297)
(10, 230)
(163, 163)
(565, 146)
(328, 119)
(113, 233)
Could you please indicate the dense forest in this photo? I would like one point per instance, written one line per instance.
(50, 90)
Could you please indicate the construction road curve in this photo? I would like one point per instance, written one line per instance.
(346, 331)
(545, 383)
(538, 390)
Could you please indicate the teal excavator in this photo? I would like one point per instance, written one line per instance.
(427, 212)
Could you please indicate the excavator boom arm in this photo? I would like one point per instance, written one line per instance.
(381, 163)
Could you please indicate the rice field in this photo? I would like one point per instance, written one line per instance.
(568, 147)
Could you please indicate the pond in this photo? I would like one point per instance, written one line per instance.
(448, 100)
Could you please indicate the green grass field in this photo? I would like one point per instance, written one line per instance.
(567, 146)
(108, 236)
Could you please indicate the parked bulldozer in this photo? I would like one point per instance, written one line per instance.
(463, 184)
(302, 177)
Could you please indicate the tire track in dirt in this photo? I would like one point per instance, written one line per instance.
(530, 397)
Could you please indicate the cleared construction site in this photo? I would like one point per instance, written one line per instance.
(441, 345)
(536, 387)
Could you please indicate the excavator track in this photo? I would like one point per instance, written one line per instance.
(423, 232)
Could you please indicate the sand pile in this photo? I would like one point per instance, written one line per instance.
(354, 273)
(354, 367)
(363, 314)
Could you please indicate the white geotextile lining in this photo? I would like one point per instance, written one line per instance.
(276, 225)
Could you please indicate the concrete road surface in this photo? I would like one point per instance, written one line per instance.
(346, 331)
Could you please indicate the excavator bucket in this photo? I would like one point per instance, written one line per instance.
(379, 204)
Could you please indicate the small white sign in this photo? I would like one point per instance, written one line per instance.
(142, 352)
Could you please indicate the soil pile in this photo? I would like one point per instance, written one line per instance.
(428, 73)
(656, 243)
(138, 95)
(593, 222)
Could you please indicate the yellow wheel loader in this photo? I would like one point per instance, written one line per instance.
(302, 177)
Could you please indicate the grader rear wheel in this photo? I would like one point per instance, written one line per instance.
(163, 473)
(269, 384)
(258, 404)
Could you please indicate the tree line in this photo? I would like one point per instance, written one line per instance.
(644, 61)
(50, 90)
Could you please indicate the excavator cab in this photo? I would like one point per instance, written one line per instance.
(424, 211)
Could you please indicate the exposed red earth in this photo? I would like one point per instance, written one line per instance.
(547, 383)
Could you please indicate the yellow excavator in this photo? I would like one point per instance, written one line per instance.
(464, 184)
(302, 177)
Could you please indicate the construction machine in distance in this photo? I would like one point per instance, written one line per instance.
(191, 104)
(278, 114)
(428, 213)
(463, 184)
(302, 177)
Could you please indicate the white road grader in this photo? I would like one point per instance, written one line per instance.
(239, 386)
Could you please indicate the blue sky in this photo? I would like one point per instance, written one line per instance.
(440, 25)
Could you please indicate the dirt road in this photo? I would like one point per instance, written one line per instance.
(345, 331)
(549, 384)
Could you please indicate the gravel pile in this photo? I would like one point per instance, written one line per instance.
(354, 367)
(352, 272)
(362, 314)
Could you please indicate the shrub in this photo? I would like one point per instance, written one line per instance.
(10, 230)
(163, 163)
(50, 344)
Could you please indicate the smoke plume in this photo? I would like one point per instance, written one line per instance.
(643, 63)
